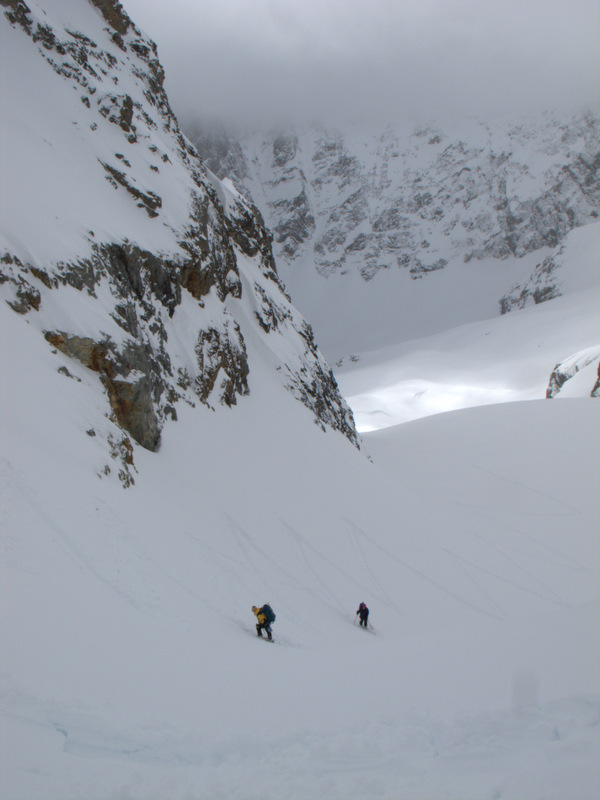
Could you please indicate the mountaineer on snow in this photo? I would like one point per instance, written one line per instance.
(363, 613)
(265, 617)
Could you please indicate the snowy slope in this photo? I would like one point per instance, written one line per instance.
(69, 119)
(497, 361)
(131, 667)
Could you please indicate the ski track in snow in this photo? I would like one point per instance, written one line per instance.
(474, 583)
(501, 524)
(383, 597)
(520, 484)
(549, 595)
(431, 581)
(395, 749)
(303, 544)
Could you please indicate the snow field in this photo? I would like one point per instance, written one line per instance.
(134, 670)
(499, 360)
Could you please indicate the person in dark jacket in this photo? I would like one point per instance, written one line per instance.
(262, 623)
(363, 613)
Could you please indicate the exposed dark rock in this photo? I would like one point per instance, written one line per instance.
(541, 286)
(284, 150)
(18, 14)
(141, 274)
(121, 450)
(359, 243)
(316, 387)
(27, 299)
(296, 223)
(114, 14)
(418, 270)
(596, 390)
(132, 404)
(131, 401)
(270, 315)
(212, 260)
(480, 198)
(222, 364)
(149, 201)
(569, 367)
(557, 380)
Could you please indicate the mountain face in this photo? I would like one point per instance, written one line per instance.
(121, 248)
(417, 200)
(413, 199)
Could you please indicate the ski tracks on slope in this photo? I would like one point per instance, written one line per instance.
(566, 561)
(304, 545)
(487, 611)
(67, 544)
(355, 533)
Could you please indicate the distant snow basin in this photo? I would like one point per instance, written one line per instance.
(500, 360)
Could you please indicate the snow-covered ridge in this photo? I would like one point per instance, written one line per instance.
(117, 244)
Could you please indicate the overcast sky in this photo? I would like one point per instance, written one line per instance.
(385, 58)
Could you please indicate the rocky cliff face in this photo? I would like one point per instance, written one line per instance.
(411, 200)
(129, 256)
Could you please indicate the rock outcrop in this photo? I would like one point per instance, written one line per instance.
(596, 387)
(569, 367)
(542, 285)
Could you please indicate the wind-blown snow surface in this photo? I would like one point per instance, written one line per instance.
(130, 664)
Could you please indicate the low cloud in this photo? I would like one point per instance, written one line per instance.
(267, 60)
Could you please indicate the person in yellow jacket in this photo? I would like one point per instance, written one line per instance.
(262, 622)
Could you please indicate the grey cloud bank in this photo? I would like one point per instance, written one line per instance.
(253, 60)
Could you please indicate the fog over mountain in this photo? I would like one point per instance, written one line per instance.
(350, 59)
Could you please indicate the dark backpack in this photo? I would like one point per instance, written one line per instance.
(269, 613)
